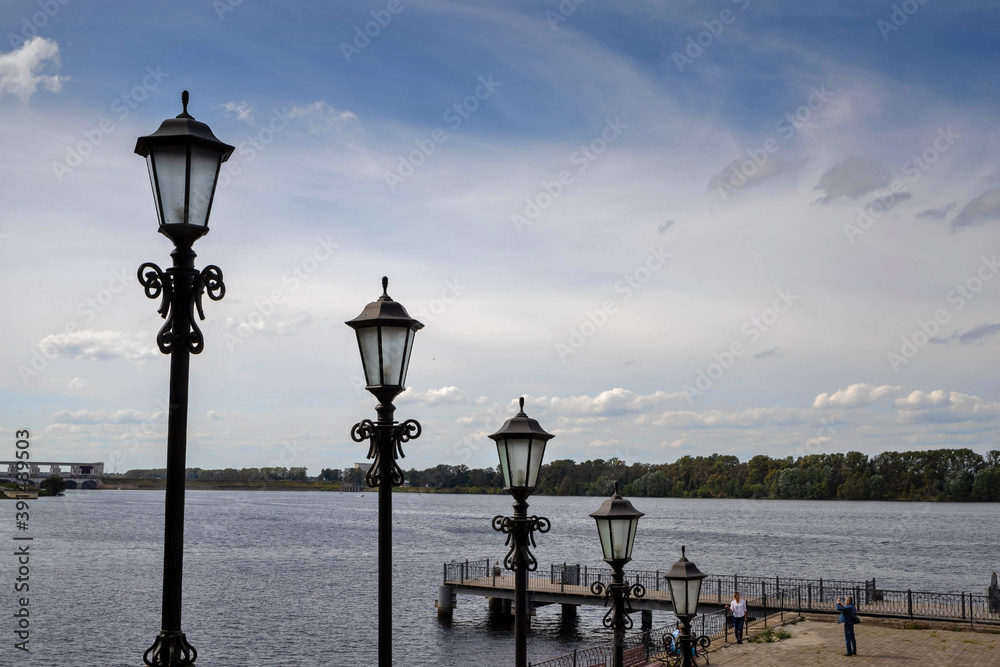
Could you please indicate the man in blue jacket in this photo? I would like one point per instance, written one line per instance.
(848, 616)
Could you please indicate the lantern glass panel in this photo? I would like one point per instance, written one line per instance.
(204, 170)
(171, 179)
(406, 357)
(604, 530)
(368, 342)
(535, 462)
(156, 190)
(518, 459)
(393, 353)
(504, 463)
(693, 592)
(631, 537)
(621, 531)
(678, 596)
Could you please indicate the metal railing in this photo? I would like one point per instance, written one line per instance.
(715, 625)
(717, 587)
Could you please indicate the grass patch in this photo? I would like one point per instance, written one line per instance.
(916, 626)
(769, 635)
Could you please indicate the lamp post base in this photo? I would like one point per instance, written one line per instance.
(171, 649)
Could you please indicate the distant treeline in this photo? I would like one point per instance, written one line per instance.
(938, 474)
(227, 474)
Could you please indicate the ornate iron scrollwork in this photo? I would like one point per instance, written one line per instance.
(170, 648)
(209, 280)
(628, 591)
(366, 429)
(160, 284)
(157, 284)
(520, 534)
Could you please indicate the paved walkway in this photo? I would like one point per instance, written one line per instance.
(822, 643)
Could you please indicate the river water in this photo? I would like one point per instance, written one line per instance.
(288, 579)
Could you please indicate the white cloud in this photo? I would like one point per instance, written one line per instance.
(242, 109)
(984, 208)
(322, 116)
(732, 176)
(615, 401)
(434, 396)
(286, 326)
(956, 404)
(748, 418)
(852, 178)
(104, 417)
(97, 346)
(856, 395)
(21, 70)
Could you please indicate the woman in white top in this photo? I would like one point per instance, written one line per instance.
(739, 609)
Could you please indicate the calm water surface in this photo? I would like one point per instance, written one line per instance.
(287, 579)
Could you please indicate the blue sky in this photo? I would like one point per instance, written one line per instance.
(677, 228)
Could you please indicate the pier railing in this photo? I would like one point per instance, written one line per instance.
(767, 598)
(716, 587)
(643, 647)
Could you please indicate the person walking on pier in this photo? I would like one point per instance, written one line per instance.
(739, 609)
(848, 616)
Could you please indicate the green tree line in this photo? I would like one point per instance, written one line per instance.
(227, 474)
(939, 474)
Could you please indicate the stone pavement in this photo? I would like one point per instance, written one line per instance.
(815, 642)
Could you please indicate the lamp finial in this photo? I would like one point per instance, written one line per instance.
(682, 551)
(385, 286)
(520, 402)
(184, 101)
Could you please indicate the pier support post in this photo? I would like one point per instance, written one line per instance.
(647, 619)
(446, 601)
(568, 611)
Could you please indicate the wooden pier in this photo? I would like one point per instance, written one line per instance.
(569, 585)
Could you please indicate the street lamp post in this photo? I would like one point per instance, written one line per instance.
(385, 334)
(521, 446)
(184, 158)
(617, 521)
(684, 580)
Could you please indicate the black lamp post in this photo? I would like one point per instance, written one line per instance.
(385, 334)
(521, 446)
(184, 158)
(684, 580)
(616, 523)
